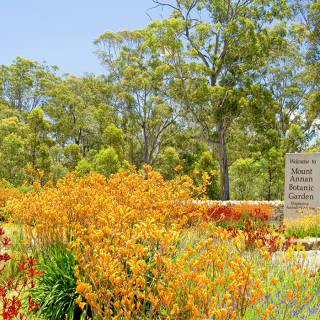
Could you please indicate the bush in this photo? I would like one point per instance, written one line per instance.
(106, 162)
(6, 195)
(56, 293)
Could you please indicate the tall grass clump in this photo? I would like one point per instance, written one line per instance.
(56, 292)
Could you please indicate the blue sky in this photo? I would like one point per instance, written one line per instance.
(61, 32)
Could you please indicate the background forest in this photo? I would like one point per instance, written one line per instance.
(230, 86)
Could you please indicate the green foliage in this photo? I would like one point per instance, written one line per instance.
(259, 177)
(206, 164)
(315, 147)
(72, 156)
(113, 137)
(274, 169)
(140, 99)
(294, 141)
(305, 32)
(38, 141)
(58, 171)
(56, 291)
(302, 233)
(213, 61)
(25, 83)
(72, 106)
(10, 123)
(125, 165)
(43, 161)
(91, 154)
(106, 162)
(84, 167)
(241, 81)
(56, 153)
(169, 160)
(245, 179)
(13, 162)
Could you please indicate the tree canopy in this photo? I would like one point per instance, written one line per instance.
(216, 86)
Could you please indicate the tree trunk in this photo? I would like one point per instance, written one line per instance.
(145, 147)
(270, 180)
(224, 174)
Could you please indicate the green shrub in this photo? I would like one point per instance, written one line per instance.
(56, 291)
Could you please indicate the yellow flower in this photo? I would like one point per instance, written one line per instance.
(289, 294)
(224, 312)
(213, 172)
(297, 284)
(274, 281)
(259, 243)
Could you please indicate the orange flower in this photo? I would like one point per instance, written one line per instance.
(274, 281)
(289, 294)
(133, 239)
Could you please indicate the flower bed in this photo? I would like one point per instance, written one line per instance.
(253, 219)
(142, 249)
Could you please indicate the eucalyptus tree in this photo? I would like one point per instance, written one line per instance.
(212, 48)
(12, 157)
(11, 123)
(140, 97)
(38, 137)
(13, 165)
(287, 78)
(306, 27)
(24, 84)
(277, 125)
(306, 31)
(72, 107)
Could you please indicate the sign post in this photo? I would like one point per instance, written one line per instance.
(302, 183)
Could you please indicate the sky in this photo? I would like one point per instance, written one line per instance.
(61, 32)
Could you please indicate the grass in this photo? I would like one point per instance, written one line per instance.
(303, 233)
(56, 291)
(280, 268)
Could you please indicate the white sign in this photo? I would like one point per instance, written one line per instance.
(302, 183)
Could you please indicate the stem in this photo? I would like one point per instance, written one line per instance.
(242, 312)
(285, 311)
